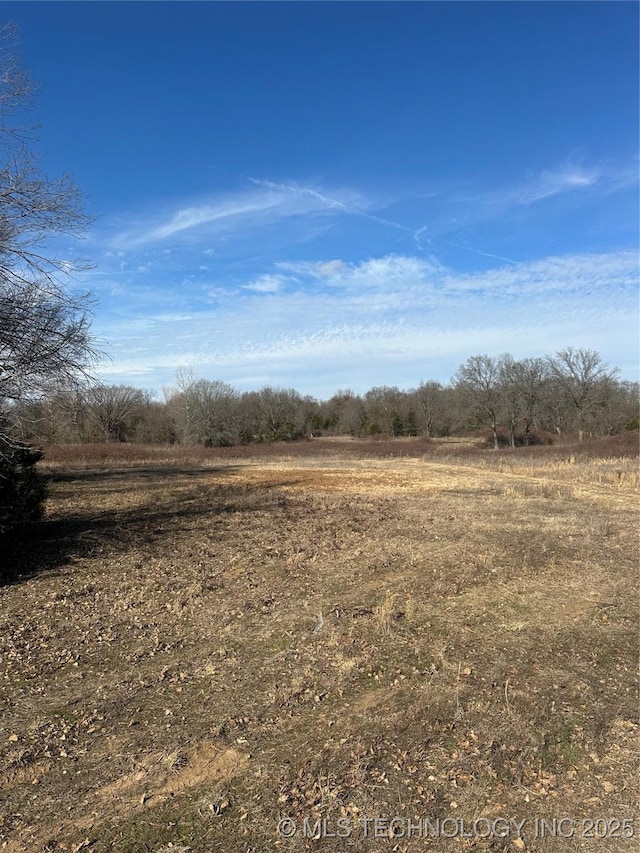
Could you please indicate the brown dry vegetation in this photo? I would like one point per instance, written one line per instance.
(167, 683)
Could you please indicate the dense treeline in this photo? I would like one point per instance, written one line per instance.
(515, 402)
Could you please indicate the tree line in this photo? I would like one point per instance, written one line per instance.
(516, 402)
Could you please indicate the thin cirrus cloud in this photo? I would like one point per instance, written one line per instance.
(578, 182)
(553, 182)
(216, 216)
(242, 210)
(569, 177)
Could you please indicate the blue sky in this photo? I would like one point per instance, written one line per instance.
(331, 195)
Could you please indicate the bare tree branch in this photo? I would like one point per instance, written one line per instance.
(44, 327)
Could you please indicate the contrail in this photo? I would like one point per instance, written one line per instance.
(356, 211)
(417, 234)
(330, 202)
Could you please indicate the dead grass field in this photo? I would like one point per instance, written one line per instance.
(167, 683)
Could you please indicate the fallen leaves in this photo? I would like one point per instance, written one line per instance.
(197, 624)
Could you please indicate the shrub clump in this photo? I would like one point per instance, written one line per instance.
(22, 488)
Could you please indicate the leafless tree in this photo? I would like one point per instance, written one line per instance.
(430, 398)
(530, 377)
(44, 339)
(342, 414)
(521, 385)
(383, 410)
(117, 409)
(204, 410)
(44, 326)
(478, 381)
(583, 379)
(281, 413)
(510, 394)
(60, 417)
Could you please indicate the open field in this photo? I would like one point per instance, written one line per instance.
(198, 644)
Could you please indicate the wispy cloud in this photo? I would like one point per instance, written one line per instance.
(314, 269)
(218, 213)
(393, 319)
(551, 182)
(194, 217)
(352, 208)
(266, 284)
(243, 210)
(570, 275)
(570, 176)
(562, 275)
(561, 203)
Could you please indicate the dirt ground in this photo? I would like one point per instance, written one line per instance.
(328, 650)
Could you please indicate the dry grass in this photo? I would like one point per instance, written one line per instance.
(167, 683)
